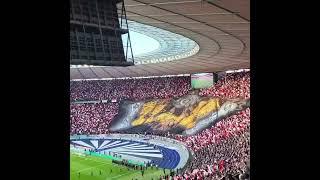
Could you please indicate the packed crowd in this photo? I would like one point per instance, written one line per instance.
(95, 118)
(233, 85)
(131, 89)
(221, 150)
(92, 118)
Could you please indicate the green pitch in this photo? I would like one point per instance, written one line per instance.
(89, 168)
(201, 83)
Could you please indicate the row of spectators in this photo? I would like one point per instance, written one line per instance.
(131, 89)
(92, 118)
(221, 150)
(233, 85)
(95, 118)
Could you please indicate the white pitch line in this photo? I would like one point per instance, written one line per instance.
(86, 158)
(89, 168)
(122, 175)
(102, 163)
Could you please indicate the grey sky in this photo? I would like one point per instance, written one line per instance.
(140, 43)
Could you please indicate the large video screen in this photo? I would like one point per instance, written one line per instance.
(201, 80)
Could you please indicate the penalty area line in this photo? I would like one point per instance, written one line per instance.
(102, 163)
(122, 175)
(88, 168)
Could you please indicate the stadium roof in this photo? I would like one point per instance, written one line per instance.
(172, 46)
(221, 28)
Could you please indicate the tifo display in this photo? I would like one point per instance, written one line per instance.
(174, 127)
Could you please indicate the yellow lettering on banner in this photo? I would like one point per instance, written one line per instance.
(153, 111)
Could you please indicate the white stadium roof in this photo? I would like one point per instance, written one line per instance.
(196, 36)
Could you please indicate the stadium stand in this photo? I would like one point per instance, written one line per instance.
(201, 134)
(92, 118)
(130, 89)
(221, 150)
(233, 85)
(218, 152)
(85, 118)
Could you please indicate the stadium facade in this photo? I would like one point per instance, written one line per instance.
(95, 33)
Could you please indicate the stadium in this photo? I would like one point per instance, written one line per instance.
(179, 108)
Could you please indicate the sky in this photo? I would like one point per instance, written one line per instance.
(140, 43)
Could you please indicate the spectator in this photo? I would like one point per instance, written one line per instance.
(92, 118)
(232, 86)
(223, 149)
(131, 89)
(220, 151)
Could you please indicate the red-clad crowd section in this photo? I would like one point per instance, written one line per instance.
(219, 152)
